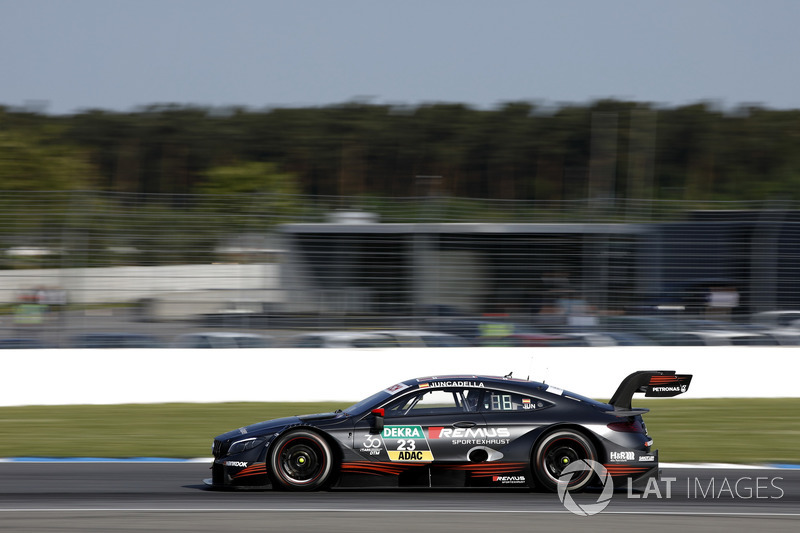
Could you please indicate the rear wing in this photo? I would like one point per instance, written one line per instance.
(653, 383)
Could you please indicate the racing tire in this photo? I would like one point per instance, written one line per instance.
(301, 460)
(555, 452)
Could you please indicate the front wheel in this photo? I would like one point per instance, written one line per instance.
(301, 460)
(556, 452)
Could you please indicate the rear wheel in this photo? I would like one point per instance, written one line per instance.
(557, 451)
(301, 460)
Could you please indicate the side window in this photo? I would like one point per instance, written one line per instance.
(501, 401)
(430, 402)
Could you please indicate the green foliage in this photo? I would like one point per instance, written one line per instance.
(213, 175)
(32, 162)
(145, 430)
(273, 195)
(246, 178)
(518, 150)
(747, 430)
(761, 430)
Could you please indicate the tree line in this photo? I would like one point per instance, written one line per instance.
(517, 150)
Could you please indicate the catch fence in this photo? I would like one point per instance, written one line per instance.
(268, 262)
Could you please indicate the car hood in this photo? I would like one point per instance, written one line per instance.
(276, 425)
(321, 416)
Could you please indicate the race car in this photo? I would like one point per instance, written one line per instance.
(452, 431)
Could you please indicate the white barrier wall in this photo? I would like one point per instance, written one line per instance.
(60, 377)
(128, 284)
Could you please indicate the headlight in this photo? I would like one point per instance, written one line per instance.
(245, 444)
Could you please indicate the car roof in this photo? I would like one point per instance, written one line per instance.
(472, 380)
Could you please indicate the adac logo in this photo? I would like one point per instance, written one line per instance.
(566, 497)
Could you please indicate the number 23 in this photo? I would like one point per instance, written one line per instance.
(403, 444)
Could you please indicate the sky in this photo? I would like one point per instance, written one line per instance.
(66, 56)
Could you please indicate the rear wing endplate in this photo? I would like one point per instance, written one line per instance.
(653, 383)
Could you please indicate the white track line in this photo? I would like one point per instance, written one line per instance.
(384, 511)
(717, 466)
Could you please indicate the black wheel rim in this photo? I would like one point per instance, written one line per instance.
(301, 461)
(562, 453)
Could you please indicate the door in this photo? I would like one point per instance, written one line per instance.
(424, 430)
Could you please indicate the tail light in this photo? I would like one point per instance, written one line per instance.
(629, 426)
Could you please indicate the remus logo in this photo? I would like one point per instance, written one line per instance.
(467, 433)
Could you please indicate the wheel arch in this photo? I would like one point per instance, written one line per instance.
(589, 434)
(539, 477)
(335, 446)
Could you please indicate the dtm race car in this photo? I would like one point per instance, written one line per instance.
(452, 431)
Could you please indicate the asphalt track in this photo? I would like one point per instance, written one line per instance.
(123, 497)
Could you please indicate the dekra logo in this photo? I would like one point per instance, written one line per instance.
(402, 432)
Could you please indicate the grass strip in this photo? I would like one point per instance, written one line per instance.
(763, 430)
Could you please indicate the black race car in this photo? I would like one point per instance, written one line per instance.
(451, 431)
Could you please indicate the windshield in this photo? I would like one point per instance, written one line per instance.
(366, 403)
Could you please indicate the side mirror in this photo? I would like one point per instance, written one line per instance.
(377, 421)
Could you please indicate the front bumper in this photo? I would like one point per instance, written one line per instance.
(226, 473)
(246, 468)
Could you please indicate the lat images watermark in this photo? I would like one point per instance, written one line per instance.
(713, 488)
(742, 488)
(602, 475)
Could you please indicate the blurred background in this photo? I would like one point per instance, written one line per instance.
(360, 224)
(267, 174)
